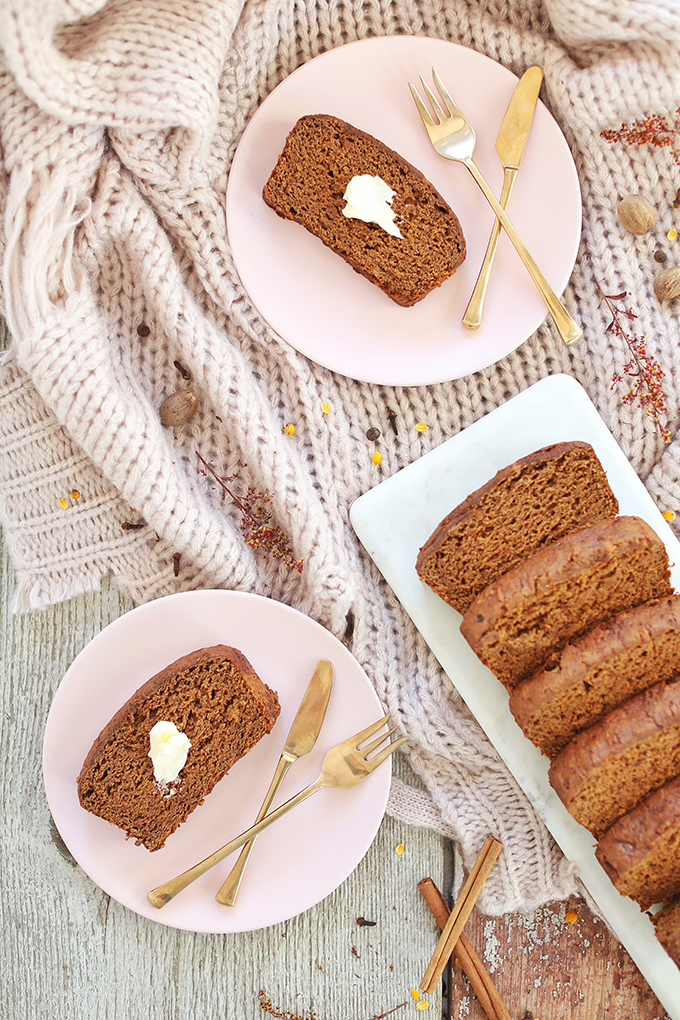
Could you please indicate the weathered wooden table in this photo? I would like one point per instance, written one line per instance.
(69, 952)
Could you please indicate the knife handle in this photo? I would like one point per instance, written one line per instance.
(229, 889)
(472, 319)
(570, 332)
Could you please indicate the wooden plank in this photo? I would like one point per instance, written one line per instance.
(69, 951)
(556, 962)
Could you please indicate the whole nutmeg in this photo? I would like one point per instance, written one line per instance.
(667, 284)
(637, 214)
(178, 408)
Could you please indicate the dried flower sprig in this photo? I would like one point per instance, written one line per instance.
(286, 1014)
(656, 130)
(642, 369)
(256, 521)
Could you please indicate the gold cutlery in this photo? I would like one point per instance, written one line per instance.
(510, 143)
(343, 767)
(300, 741)
(453, 137)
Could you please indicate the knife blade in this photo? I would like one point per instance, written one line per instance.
(301, 738)
(510, 144)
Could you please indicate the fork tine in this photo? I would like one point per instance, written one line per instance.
(435, 103)
(381, 756)
(453, 109)
(369, 731)
(425, 116)
(378, 741)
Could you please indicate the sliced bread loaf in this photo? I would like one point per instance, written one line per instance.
(524, 507)
(322, 154)
(667, 929)
(641, 851)
(214, 697)
(595, 673)
(607, 769)
(563, 591)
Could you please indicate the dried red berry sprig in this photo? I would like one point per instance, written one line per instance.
(642, 371)
(656, 130)
(256, 521)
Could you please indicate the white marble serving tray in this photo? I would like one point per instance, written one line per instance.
(394, 519)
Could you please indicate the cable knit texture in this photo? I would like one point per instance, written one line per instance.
(118, 123)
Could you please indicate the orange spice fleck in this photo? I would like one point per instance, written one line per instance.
(672, 234)
(63, 503)
(377, 457)
(571, 917)
(74, 494)
(422, 427)
(289, 429)
(422, 1004)
(668, 515)
(399, 849)
(415, 994)
(325, 407)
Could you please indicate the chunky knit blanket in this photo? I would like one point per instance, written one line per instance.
(118, 123)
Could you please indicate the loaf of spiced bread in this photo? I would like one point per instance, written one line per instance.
(667, 929)
(561, 592)
(603, 772)
(595, 673)
(525, 506)
(215, 699)
(641, 851)
(321, 155)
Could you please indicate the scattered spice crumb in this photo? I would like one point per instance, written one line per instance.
(184, 372)
(672, 234)
(393, 421)
(175, 563)
(422, 1004)
(74, 494)
(325, 407)
(129, 526)
(668, 515)
(660, 255)
(571, 917)
(363, 923)
(422, 427)
(373, 434)
(399, 849)
(63, 503)
(289, 429)
(355, 953)
(143, 329)
(415, 994)
(377, 457)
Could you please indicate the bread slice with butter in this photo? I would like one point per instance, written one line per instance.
(320, 158)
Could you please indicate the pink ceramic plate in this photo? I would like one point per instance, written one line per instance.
(301, 858)
(329, 313)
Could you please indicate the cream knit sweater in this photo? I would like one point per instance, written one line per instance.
(118, 122)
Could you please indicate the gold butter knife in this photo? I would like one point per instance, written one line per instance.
(510, 143)
(300, 741)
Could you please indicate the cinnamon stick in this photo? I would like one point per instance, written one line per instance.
(460, 913)
(477, 975)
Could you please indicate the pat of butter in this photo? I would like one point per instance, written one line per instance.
(169, 749)
(370, 199)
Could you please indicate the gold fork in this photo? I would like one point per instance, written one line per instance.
(454, 138)
(342, 767)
